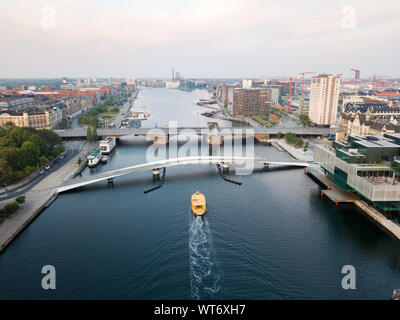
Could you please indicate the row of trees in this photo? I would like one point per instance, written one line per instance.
(91, 117)
(24, 150)
(291, 138)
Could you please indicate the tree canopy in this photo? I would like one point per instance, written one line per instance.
(24, 150)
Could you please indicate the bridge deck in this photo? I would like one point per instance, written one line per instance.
(75, 183)
(81, 132)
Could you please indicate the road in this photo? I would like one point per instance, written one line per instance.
(125, 108)
(72, 149)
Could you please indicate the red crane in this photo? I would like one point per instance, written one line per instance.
(290, 86)
(374, 78)
(302, 81)
(356, 77)
(382, 83)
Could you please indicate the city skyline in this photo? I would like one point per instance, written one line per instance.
(260, 38)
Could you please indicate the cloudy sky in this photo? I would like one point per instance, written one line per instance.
(199, 38)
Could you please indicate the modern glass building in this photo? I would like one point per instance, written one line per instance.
(366, 165)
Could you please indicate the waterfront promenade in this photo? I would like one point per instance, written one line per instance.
(38, 198)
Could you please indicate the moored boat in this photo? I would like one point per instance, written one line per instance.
(107, 145)
(94, 157)
(104, 159)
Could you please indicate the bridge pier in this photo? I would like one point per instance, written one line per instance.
(159, 138)
(156, 174)
(266, 166)
(110, 181)
(215, 139)
(225, 167)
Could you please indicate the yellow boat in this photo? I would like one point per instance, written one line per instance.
(198, 203)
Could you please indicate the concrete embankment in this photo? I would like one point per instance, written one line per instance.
(340, 197)
(38, 198)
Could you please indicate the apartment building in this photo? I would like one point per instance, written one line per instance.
(324, 99)
(251, 102)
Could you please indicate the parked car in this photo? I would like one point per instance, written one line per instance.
(41, 171)
(47, 167)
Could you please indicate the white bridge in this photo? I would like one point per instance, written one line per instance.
(76, 183)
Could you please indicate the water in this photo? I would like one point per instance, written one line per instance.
(273, 237)
(204, 270)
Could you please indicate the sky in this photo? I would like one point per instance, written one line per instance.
(198, 38)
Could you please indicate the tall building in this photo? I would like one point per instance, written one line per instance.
(251, 102)
(324, 99)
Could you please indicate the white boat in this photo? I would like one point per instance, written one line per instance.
(104, 159)
(94, 157)
(107, 145)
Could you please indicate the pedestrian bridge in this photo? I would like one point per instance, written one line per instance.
(79, 182)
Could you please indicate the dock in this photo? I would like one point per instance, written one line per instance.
(332, 192)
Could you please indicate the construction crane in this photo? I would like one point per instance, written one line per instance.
(382, 83)
(290, 86)
(356, 77)
(374, 78)
(302, 81)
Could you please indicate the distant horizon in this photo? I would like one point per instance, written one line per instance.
(183, 78)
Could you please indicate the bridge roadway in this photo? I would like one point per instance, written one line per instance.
(79, 182)
(81, 132)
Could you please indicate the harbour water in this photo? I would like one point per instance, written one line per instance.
(273, 237)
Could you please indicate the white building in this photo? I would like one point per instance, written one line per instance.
(172, 84)
(247, 84)
(131, 81)
(324, 99)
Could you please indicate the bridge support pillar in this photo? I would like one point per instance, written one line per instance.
(225, 167)
(159, 138)
(266, 166)
(215, 139)
(110, 181)
(156, 174)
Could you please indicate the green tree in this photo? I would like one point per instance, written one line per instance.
(20, 199)
(31, 153)
(304, 120)
(11, 208)
(6, 173)
(17, 136)
(95, 135)
(89, 134)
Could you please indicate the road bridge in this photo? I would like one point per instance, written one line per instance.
(265, 133)
(79, 182)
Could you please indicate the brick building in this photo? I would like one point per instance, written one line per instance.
(251, 102)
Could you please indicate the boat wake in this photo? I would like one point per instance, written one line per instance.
(204, 271)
